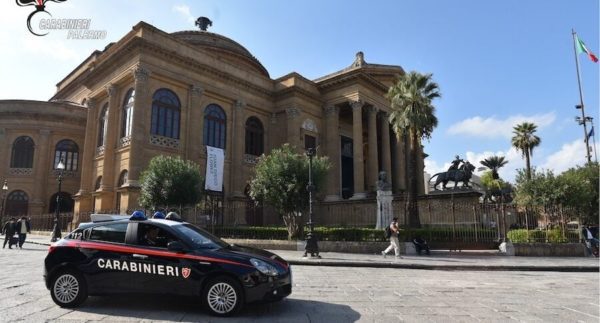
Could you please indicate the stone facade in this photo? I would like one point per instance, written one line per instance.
(156, 93)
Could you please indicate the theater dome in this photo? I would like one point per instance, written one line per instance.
(223, 46)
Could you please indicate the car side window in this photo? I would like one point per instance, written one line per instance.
(108, 233)
(154, 236)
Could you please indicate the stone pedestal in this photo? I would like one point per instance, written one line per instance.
(385, 210)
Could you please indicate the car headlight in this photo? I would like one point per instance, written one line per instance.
(264, 267)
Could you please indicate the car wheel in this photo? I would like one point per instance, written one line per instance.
(223, 296)
(68, 288)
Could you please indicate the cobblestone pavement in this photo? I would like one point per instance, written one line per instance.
(330, 294)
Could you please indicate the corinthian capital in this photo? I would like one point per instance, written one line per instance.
(196, 90)
(372, 109)
(111, 89)
(91, 103)
(240, 104)
(292, 112)
(357, 104)
(331, 110)
(140, 73)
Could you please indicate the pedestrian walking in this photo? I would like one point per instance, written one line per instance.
(394, 243)
(23, 228)
(8, 230)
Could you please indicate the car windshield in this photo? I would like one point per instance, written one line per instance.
(200, 238)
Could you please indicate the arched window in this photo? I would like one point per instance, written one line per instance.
(102, 125)
(165, 114)
(17, 203)
(215, 126)
(66, 203)
(254, 137)
(98, 183)
(67, 151)
(123, 178)
(22, 153)
(127, 113)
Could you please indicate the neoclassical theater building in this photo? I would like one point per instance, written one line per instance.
(157, 93)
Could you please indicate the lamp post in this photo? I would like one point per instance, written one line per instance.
(56, 231)
(312, 246)
(4, 190)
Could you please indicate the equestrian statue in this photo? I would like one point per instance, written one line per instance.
(455, 173)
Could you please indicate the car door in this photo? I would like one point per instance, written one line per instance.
(104, 247)
(159, 269)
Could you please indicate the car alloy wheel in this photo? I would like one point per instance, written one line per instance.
(222, 296)
(68, 289)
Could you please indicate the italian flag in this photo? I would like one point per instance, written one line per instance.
(582, 49)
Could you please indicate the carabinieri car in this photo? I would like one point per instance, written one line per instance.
(140, 255)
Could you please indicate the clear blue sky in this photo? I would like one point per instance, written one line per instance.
(497, 62)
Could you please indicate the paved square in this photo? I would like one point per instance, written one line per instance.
(330, 294)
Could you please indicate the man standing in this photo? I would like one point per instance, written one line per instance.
(23, 228)
(9, 231)
(394, 243)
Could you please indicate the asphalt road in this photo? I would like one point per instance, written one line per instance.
(330, 294)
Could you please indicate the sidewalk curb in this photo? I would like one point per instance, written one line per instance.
(446, 267)
(400, 265)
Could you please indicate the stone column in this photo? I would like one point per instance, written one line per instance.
(140, 126)
(357, 145)
(372, 158)
(110, 142)
(83, 198)
(138, 132)
(293, 128)
(333, 146)
(194, 141)
(385, 144)
(41, 173)
(399, 173)
(238, 142)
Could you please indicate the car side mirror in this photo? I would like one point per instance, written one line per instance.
(175, 246)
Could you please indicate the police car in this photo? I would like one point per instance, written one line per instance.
(139, 255)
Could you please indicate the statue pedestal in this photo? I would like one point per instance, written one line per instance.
(385, 211)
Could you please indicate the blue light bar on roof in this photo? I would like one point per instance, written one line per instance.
(138, 216)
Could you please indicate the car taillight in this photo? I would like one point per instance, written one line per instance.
(51, 249)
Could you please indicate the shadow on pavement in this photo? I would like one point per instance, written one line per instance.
(164, 307)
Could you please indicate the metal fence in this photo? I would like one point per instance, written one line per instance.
(448, 223)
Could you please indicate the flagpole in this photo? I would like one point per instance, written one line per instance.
(594, 138)
(585, 134)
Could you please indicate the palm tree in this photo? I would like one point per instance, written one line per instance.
(494, 163)
(413, 115)
(525, 140)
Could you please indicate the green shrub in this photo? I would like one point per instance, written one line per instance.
(551, 236)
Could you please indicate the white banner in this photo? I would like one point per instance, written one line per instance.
(215, 161)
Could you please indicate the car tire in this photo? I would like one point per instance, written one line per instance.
(223, 296)
(68, 288)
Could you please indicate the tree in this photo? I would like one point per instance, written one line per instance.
(494, 163)
(579, 188)
(170, 181)
(280, 180)
(525, 140)
(413, 115)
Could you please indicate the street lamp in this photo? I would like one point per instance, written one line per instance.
(56, 231)
(312, 246)
(4, 190)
